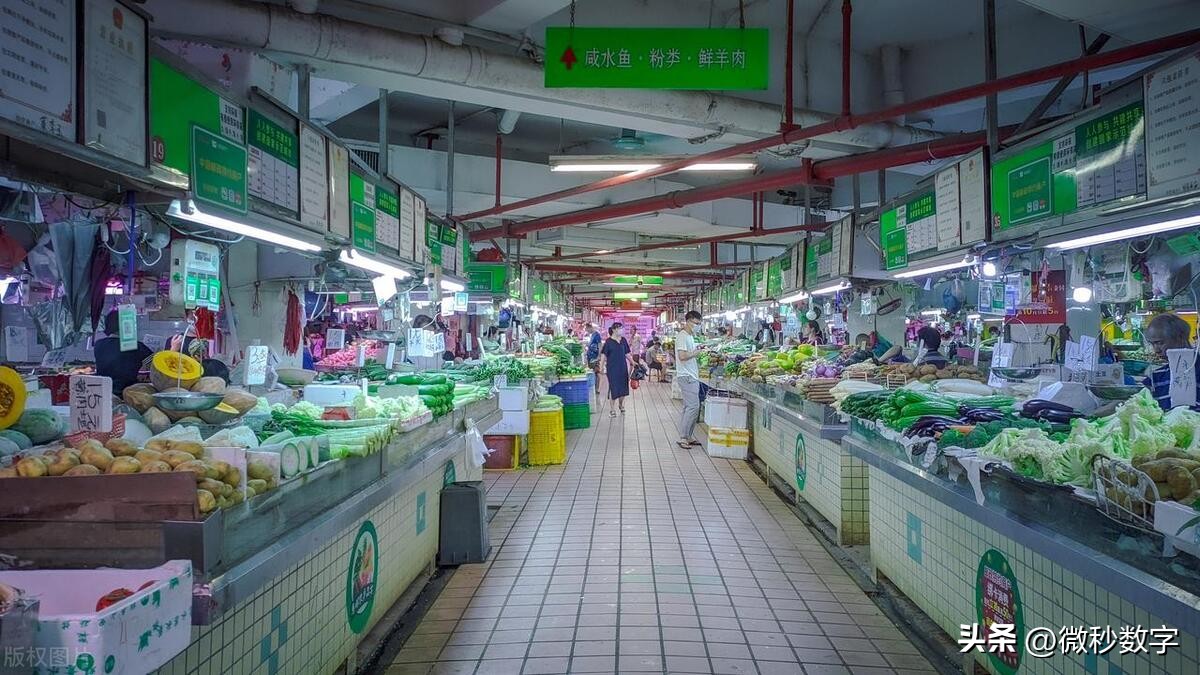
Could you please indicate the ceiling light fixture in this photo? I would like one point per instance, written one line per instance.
(793, 298)
(959, 264)
(1127, 233)
(192, 214)
(841, 286)
(989, 269)
(625, 164)
(362, 262)
(452, 286)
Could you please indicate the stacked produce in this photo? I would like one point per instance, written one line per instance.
(515, 370)
(435, 389)
(469, 393)
(371, 370)
(175, 372)
(347, 438)
(928, 374)
(789, 361)
(565, 351)
(347, 357)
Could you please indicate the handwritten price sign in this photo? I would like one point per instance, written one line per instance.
(91, 403)
(256, 364)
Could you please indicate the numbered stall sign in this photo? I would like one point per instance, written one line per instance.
(91, 403)
(257, 357)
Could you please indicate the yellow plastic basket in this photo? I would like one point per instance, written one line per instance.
(547, 440)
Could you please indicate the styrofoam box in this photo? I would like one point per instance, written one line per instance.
(513, 398)
(331, 394)
(135, 635)
(513, 423)
(725, 412)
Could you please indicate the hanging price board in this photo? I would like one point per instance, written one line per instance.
(54, 359)
(91, 403)
(390, 358)
(335, 338)
(127, 327)
(1183, 376)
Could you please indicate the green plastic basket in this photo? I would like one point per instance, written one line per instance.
(577, 416)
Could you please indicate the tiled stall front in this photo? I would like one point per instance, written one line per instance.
(309, 619)
(950, 564)
(818, 469)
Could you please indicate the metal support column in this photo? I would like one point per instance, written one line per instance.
(989, 63)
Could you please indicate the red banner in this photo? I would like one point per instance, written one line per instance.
(1047, 302)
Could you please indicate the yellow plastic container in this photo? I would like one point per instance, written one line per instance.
(547, 439)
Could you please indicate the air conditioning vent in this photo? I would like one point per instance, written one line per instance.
(369, 157)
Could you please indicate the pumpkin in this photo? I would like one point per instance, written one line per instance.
(17, 437)
(12, 396)
(139, 396)
(209, 385)
(221, 414)
(40, 425)
(240, 400)
(172, 369)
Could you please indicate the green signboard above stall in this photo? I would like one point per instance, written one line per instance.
(635, 279)
(218, 171)
(177, 104)
(657, 58)
(775, 277)
(362, 213)
(1098, 161)
(487, 278)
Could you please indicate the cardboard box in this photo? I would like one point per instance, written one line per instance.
(728, 443)
(725, 412)
(133, 636)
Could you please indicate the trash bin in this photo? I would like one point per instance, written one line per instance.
(463, 536)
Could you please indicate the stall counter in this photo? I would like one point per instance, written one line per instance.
(800, 443)
(963, 563)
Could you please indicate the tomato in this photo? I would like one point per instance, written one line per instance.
(113, 598)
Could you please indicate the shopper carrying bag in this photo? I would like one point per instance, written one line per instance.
(687, 371)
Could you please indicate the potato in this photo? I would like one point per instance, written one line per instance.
(62, 463)
(124, 465)
(155, 466)
(176, 457)
(1181, 482)
(144, 456)
(194, 466)
(83, 470)
(121, 447)
(158, 444)
(191, 447)
(207, 500)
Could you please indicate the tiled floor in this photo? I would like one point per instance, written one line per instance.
(637, 556)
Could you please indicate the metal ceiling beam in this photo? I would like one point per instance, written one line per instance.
(690, 242)
(806, 174)
(1015, 81)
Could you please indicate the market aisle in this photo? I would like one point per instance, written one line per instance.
(639, 556)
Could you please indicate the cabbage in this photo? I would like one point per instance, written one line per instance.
(1147, 438)
(1183, 423)
(1031, 453)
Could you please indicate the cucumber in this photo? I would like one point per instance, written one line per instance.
(410, 378)
(434, 379)
(278, 438)
(290, 463)
(314, 453)
(431, 389)
(430, 401)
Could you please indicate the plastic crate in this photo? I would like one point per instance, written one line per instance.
(547, 439)
(577, 416)
(571, 392)
(506, 450)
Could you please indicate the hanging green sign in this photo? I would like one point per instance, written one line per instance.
(775, 277)
(657, 58)
(538, 292)
(630, 295)
(363, 577)
(274, 164)
(127, 327)
(218, 171)
(449, 235)
(486, 278)
(635, 279)
(177, 103)
(758, 283)
(1097, 161)
(998, 601)
(362, 227)
(909, 227)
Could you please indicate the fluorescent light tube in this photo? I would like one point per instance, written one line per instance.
(793, 298)
(604, 166)
(935, 269)
(1128, 233)
(584, 165)
(720, 166)
(362, 262)
(452, 286)
(931, 312)
(973, 317)
(831, 289)
(195, 215)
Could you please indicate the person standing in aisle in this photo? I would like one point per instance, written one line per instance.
(593, 352)
(616, 363)
(635, 342)
(930, 340)
(687, 370)
(1167, 331)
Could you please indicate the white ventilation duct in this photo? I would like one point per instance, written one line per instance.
(402, 61)
(305, 6)
(893, 85)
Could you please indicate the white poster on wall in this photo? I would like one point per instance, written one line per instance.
(339, 190)
(409, 243)
(1173, 129)
(949, 230)
(972, 198)
(37, 65)
(422, 252)
(314, 179)
(114, 80)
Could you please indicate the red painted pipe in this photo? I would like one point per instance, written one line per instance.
(788, 99)
(846, 11)
(712, 253)
(689, 272)
(1074, 66)
(762, 204)
(713, 240)
(829, 169)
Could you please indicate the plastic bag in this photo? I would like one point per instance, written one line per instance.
(479, 449)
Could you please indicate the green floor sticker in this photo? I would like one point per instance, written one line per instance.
(801, 462)
(998, 601)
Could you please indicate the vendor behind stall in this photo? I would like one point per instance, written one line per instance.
(111, 362)
(929, 341)
(1167, 331)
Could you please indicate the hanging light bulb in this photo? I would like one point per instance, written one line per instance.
(989, 269)
(811, 315)
(1081, 294)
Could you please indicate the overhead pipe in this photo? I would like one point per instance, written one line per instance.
(808, 173)
(788, 95)
(1022, 79)
(499, 162)
(685, 272)
(846, 11)
(713, 240)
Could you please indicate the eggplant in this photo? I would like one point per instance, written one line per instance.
(1058, 416)
(1035, 406)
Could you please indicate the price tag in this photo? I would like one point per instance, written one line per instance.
(1183, 376)
(156, 343)
(363, 384)
(127, 327)
(995, 381)
(439, 344)
(335, 338)
(1074, 357)
(54, 359)
(16, 343)
(416, 342)
(501, 380)
(257, 357)
(91, 403)
(1002, 354)
(387, 314)
(1089, 349)
(360, 356)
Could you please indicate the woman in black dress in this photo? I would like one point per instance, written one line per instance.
(616, 360)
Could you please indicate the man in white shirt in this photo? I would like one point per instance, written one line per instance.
(687, 371)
